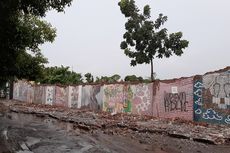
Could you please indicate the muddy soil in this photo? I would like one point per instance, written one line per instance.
(37, 133)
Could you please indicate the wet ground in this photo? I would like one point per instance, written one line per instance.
(41, 133)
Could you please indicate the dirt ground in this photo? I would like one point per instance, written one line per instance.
(27, 128)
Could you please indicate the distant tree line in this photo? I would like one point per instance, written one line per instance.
(63, 75)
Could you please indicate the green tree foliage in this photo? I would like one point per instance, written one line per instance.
(22, 31)
(60, 75)
(89, 78)
(105, 79)
(133, 78)
(29, 66)
(144, 39)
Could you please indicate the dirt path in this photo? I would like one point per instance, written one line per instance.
(40, 133)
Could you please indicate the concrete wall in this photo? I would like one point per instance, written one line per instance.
(136, 99)
(23, 91)
(61, 96)
(92, 97)
(174, 99)
(212, 98)
(74, 96)
(39, 94)
(141, 100)
(200, 98)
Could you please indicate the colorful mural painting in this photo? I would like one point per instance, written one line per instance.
(174, 99)
(202, 98)
(92, 97)
(61, 96)
(113, 100)
(212, 98)
(142, 98)
(128, 98)
(74, 96)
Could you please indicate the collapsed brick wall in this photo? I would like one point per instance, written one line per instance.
(200, 98)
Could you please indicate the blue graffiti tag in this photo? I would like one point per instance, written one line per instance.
(198, 111)
(227, 120)
(198, 92)
(198, 85)
(199, 102)
(210, 114)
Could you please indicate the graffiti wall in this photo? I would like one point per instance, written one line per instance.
(74, 96)
(92, 97)
(61, 96)
(23, 91)
(212, 98)
(113, 100)
(50, 92)
(30, 94)
(203, 98)
(16, 91)
(39, 95)
(136, 99)
(139, 98)
(174, 99)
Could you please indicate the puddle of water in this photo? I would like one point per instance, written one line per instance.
(24, 119)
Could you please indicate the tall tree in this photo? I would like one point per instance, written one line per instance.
(22, 31)
(144, 39)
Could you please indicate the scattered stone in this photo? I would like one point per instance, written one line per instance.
(32, 141)
(26, 151)
(24, 146)
(121, 124)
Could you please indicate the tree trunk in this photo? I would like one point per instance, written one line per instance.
(151, 62)
(11, 90)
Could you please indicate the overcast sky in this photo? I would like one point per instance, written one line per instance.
(90, 31)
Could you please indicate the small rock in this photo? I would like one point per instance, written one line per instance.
(32, 141)
(143, 141)
(24, 146)
(24, 151)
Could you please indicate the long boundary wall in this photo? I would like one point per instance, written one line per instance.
(200, 98)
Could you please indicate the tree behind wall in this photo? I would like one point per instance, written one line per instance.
(60, 75)
(89, 78)
(144, 39)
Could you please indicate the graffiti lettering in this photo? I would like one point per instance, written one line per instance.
(176, 101)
